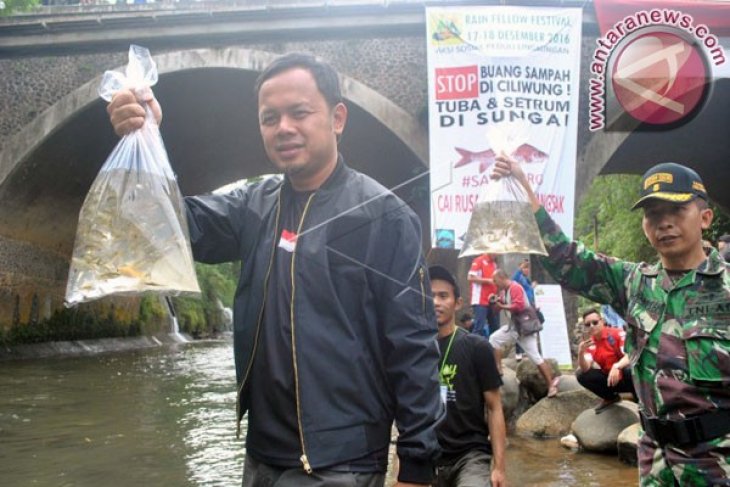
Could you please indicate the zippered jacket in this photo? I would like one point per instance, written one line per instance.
(363, 326)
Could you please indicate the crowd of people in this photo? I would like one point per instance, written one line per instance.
(336, 315)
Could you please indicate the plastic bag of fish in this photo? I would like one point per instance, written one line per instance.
(132, 234)
(503, 221)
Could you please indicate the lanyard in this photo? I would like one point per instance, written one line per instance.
(448, 349)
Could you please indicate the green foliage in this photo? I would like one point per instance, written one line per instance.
(68, 324)
(14, 6)
(219, 281)
(720, 225)
(606, 210)
(190, 316)
(152, 314)
(201, 316)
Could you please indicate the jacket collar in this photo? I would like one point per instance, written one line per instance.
(333, 181)
(713, 265)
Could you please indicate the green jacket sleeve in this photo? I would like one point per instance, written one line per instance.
(594, 276)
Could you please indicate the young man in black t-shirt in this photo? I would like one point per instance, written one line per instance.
(469, 382)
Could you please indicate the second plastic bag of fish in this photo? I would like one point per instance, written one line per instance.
(132, 234)
(502, 222)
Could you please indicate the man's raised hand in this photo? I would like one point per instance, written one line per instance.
(127, 113)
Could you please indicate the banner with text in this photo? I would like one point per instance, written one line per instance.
(501, 79)
(554, 340)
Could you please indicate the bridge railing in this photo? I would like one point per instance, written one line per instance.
(63, 7)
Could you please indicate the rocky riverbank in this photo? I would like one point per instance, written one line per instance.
(530, 413)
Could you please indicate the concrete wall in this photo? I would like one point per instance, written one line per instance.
(32, 282)
(395, 67)
(33, 84)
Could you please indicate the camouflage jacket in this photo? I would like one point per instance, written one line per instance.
(678, 333)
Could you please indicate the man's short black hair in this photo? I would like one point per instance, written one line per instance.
(324, 75)
(590, 311)
(437, 272)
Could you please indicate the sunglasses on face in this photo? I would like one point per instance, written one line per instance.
(591, 323)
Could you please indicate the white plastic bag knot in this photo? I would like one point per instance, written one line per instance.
(139, 75)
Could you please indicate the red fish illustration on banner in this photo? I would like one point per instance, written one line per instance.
(528, 153)
(485, 158)
(525, 153)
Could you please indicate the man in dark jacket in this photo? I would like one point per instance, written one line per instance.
(334, 332)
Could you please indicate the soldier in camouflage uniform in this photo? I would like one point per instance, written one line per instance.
(678, 315)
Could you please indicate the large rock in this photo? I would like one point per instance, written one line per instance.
(570, 442)
(568, 382)
(524, 402)
(510, 363)
(627, 444)
(599, 432)
(631, 406)
(531, 379)
(510, 392)
(553, 416)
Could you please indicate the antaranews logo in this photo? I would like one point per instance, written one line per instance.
(654, 67)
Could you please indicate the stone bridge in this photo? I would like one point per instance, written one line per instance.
(54, 133)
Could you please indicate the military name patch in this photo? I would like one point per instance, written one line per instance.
(718, 309)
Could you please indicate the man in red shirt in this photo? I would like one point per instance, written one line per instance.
(604, 368)
(482, 287)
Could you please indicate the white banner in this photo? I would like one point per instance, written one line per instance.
(554, 336)
(501, 79)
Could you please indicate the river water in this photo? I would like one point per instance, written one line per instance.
(166, 417)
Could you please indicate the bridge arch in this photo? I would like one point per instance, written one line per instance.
(46, 168)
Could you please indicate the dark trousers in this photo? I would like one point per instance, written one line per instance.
(596, 381)
(257, 474)
(492, 319)
(486, 320)
(473, 469)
